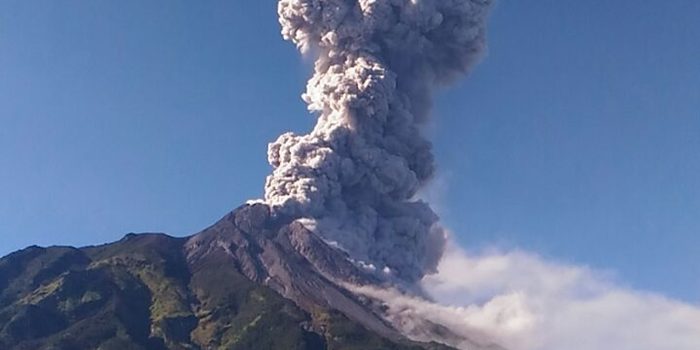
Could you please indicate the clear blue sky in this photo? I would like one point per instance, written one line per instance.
(578, 137)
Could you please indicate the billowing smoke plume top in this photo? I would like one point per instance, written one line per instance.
(357, 173)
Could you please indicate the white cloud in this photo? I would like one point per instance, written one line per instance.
(525, 302)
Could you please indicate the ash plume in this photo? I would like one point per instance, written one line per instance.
(356, 174)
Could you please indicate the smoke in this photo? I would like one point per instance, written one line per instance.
(357, 172)
(354, 178)
(524, 302)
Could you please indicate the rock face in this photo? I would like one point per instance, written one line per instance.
(250, 281)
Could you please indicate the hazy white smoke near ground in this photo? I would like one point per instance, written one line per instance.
(525, 302)
(357, 172)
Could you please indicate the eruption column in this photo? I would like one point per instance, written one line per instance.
(358, 171)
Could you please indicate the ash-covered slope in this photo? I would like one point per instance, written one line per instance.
(247, 282)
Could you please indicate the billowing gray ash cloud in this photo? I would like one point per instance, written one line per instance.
(356, 174)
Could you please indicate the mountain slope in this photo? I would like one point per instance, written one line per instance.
(247, 282)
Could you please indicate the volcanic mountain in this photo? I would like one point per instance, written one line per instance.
(339, 213)
(250, 281)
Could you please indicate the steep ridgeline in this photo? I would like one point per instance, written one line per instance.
(246, 282)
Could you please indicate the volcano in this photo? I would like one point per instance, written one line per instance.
(250, 281)
(339, 214)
